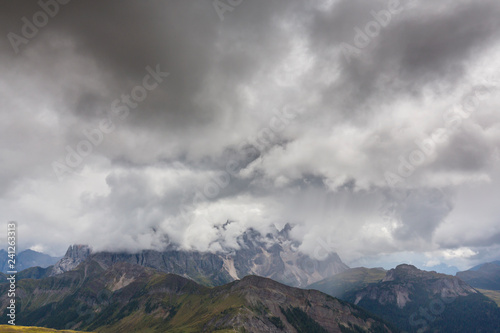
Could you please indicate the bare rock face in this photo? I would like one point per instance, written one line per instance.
(75, 255)
(403, 283)
(274, 256)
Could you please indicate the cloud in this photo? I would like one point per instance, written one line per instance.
(262, 121)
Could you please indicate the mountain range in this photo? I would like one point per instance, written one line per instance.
(250, 289)
(26, 259)
(124, 297)
(416, 300)
(274, 256)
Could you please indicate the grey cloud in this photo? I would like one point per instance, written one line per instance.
(418, 47)
(324, 170)
(420, 212)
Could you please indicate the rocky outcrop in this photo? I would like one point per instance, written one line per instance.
(401, 283)
(206, 268)
(75, 255)
(276, 256)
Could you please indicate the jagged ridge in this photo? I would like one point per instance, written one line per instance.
(273, 255)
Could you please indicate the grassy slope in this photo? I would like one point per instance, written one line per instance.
(29, 329)
(354, 278)
(494, 295)
(186, 312)
(190, 312)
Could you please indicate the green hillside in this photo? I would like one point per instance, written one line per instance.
(349, 280)
(131, 298)
(494, 295)
(30, 329)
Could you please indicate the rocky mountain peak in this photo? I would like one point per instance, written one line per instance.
(75, 255)
(406, 283)
(78, 251)
(405, 272)
(277, 256)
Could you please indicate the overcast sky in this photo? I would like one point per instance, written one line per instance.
(373, 126)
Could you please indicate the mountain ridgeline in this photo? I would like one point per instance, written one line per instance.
(26, 259)
(274, 256)
(484, 276)
(130, 298)
(416, 300)
(250, 289)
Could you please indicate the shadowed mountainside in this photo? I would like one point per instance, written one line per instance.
(484, 276)
(130, 298)
(419, 300)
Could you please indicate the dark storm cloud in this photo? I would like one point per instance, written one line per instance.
(423, 44)
(420, 212)
(480, 242)
(213, 141)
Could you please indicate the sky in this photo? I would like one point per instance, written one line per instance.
(371, 126)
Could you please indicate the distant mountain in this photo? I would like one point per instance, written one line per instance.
(34, 273)
(422, 301)
(484, 276)
(349, 280)
(27, 259)
(443, 268)
(274, 255)
(133, 298)
(477, 267)
(3, 259)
